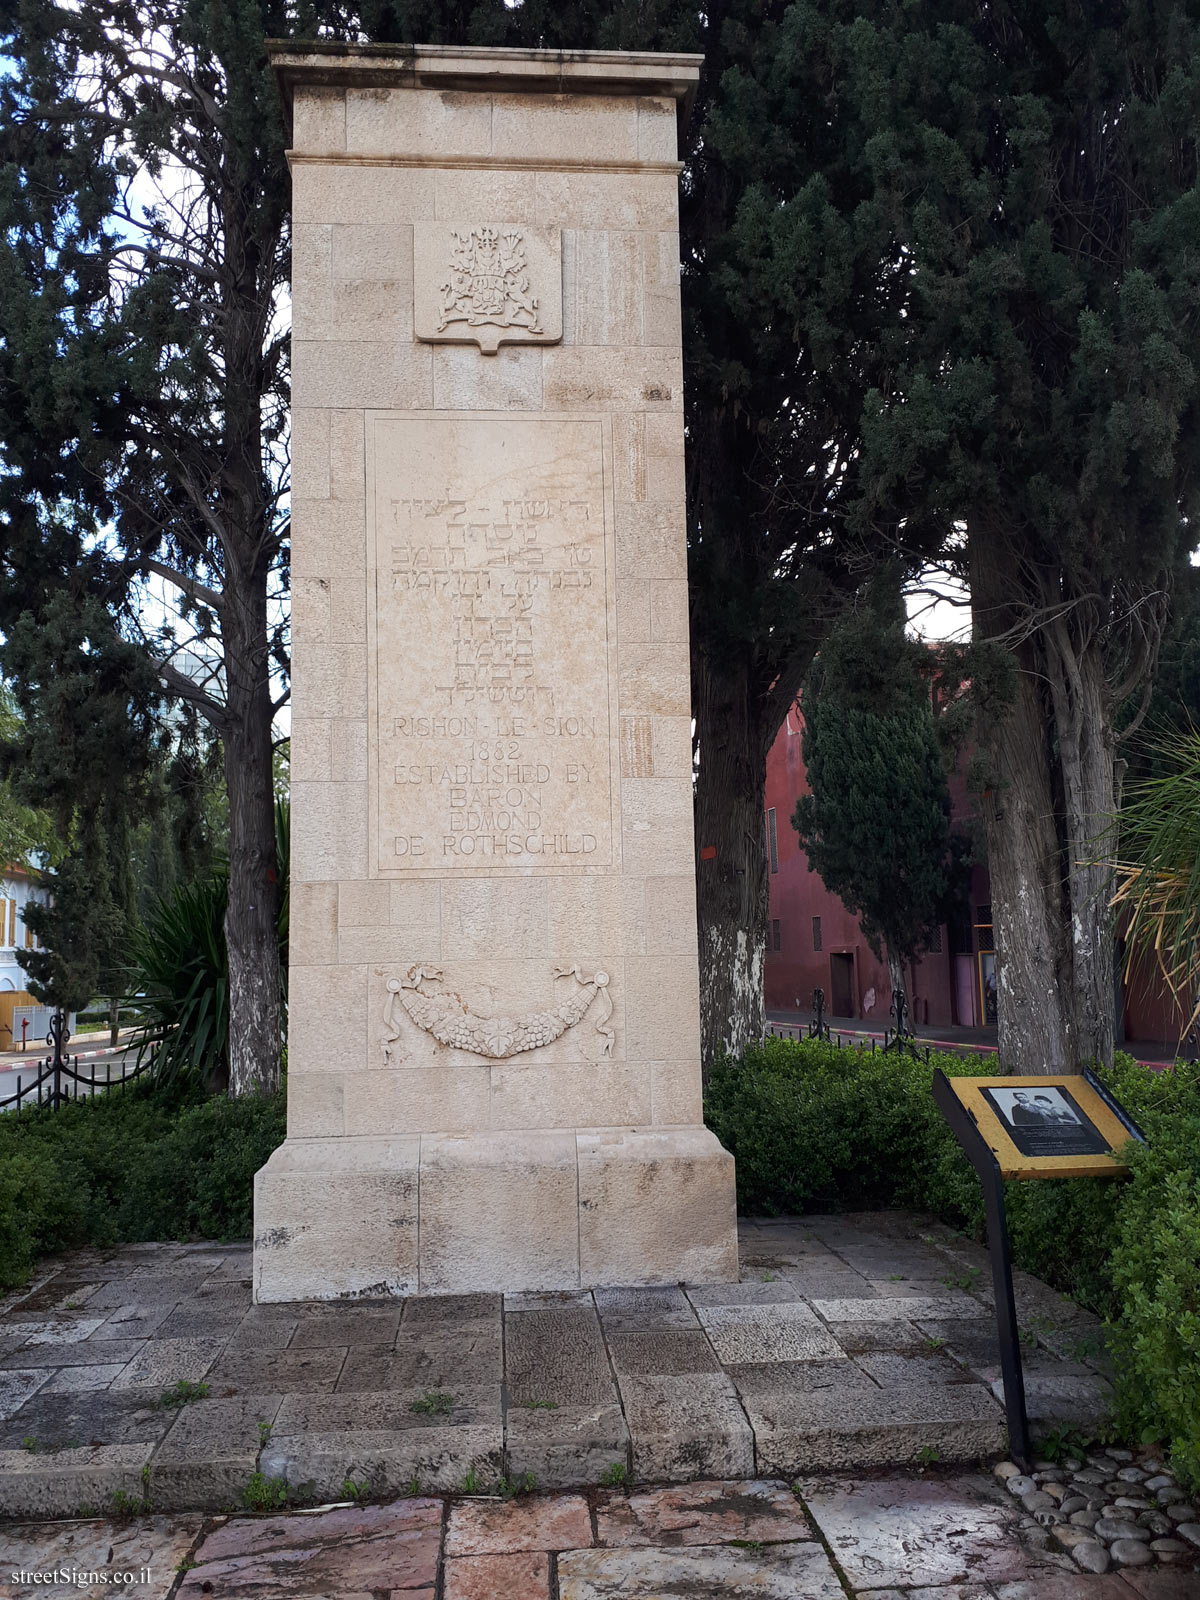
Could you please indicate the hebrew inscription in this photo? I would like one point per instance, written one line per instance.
(488, 284)
(489, 664)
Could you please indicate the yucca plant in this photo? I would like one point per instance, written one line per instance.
(179, 979)
(1157, 874)
(180, 983)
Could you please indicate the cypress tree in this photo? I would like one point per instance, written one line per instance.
(876, 823)
(1038, 167)
(146, 384)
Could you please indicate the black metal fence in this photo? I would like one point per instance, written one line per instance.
(899, 1038)
(58, 1081)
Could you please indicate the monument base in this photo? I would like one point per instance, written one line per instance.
(455, 1213)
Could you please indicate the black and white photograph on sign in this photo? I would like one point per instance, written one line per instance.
(1046, 1121)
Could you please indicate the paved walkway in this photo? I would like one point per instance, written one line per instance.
(931, 1537)
(850, 1341)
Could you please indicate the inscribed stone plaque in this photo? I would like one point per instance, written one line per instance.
(489, 657)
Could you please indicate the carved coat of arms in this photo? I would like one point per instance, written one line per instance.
(489, 282)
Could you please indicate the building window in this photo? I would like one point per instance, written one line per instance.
(935, 942)
(816, 933)
(774, 933)
(772, 840)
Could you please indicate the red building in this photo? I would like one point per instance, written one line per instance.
(815, 943)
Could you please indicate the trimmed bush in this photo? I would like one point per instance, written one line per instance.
(815, 1128)
(145, 1163)
(818, 1128)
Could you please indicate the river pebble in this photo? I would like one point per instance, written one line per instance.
(1110, 1528)
(1092, 1556)
(1169, 1550)
(1130, 1553)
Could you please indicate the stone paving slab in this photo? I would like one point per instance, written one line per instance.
(895, 1532)
(569, 1444)
(497, 1527)
(796, 1572)
(510, 1577)
(211, 1451)
(321, 1441)
(86, 1478)
(827, 1539)
(848, 1340)
(843, 1427)
(349, 1552)
(150, 1548)
(699, 1513)
(687, 1427)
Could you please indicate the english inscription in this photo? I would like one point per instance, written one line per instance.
(489, 665)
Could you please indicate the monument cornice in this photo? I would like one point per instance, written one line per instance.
(353, 158)
(325, 63)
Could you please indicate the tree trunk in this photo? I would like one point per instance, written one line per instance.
(114, 1020)
(251, 920)
(895, 966)
(1033, 959)
(1088, 763)
(731, 883)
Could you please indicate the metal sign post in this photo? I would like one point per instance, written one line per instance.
(1077, 1136)
(988, 1168)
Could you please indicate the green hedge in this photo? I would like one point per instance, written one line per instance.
(137, 1164)
(817, 1128)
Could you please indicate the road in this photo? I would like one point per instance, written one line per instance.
(96, 1060)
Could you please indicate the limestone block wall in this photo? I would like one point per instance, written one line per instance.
(593, 726)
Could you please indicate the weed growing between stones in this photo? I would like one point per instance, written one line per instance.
(264, 1494)
(509, 1488)
(132, 1505)
(434, 1403)
(615, 1476)
(183, 1393)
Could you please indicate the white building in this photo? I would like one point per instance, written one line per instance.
(17, 889)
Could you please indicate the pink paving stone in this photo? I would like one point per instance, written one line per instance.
(1164, 1583)
(494, 1527)
(1065, 1586)
(525, 1576)
(888, 1533)
(358, 1550)
(702, 1513)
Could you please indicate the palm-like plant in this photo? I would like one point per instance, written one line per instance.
(180, 973)
(180, 980)
(1158, 874)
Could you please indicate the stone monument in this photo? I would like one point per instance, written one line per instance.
(493, 1074)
